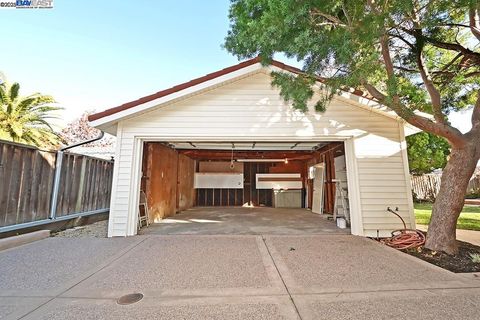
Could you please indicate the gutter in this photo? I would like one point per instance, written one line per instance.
(78, 144)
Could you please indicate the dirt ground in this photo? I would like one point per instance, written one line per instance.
(460, 263)
(94, 230)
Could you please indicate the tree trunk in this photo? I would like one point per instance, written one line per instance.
(449, 203)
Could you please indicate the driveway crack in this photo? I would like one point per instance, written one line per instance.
(281, 277)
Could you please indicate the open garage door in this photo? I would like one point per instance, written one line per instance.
(180, 175)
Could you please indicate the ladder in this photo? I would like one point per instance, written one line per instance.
(143, 218)
(340, 208)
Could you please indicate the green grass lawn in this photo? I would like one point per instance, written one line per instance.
(469, 218)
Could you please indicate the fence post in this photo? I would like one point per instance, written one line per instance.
(78, 204)
(56, 185)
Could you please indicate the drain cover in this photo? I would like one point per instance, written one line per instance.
(130, 298)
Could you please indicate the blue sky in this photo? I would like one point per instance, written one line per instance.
(99, 54)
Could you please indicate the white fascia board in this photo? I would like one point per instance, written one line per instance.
(111, 119)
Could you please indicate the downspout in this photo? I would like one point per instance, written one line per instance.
(58, 170)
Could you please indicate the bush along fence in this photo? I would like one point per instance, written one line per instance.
(39, 187)
(426, 187)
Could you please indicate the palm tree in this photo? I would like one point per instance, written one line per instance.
(24, 119)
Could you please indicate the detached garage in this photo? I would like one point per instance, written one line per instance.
(228, 140)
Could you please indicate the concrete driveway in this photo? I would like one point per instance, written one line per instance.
(228, 277)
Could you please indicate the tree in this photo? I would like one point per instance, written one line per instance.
(25, 119)
(79, 130)
(408, 55)
(426, 152)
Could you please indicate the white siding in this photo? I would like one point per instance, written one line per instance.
(249, 109)
(382, 183)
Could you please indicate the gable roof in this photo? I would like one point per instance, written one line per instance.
(191, 83)
(111, 116)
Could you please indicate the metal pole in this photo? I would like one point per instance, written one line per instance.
(56, 185)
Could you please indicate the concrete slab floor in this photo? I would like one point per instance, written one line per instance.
(322, 264)
(257, 307)
(16, 307)
(401, 305)
(186, 266)
(229, 277)
(46, 267)
(242, 220)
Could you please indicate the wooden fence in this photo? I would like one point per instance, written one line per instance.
(27, 177)
(427, 186)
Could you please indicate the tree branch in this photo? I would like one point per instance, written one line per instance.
(473, 15)
(440, 127)
(476, 112)
(475, 56)
(454, 47)
(427, 80)
(453, 135)
(398, 36)
(332, 20)
(388, 64)
(445, 67)
(374, 92)
(472, 74)
(347, 17)
(387, 59)
(406, 69)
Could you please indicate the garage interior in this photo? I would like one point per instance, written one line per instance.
(244, 187)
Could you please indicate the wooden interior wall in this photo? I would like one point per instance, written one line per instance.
(185, 180)
(168, 181)
(161, 181)
(219, 166)
(238, 197)
(254, 196)
(290, 167)
(249, 194)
